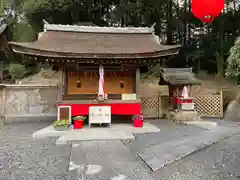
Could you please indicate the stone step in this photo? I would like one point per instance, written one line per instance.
(93, 135)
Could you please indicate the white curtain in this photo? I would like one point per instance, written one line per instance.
(101, 89)
(185, 92)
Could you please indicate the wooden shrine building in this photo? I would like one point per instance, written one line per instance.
(176, 79)
(80, 51)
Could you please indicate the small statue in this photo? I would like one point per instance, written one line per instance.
(121, 84)
(79, 85)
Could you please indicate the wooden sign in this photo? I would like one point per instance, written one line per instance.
(129, 97)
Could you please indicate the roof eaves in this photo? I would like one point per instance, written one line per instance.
(179, 76)
(27, 48)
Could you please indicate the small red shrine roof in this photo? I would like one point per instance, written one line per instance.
(66, 41)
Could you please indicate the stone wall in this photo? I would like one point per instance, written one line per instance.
(29, 100)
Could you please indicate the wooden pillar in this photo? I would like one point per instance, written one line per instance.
(138, 82)
(221, 104)
(62, 84)
(190, 90)
(64, 81)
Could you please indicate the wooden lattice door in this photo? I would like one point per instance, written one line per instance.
(64, 113)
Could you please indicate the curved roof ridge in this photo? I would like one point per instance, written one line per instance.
(97, 29)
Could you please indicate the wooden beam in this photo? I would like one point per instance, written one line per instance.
(138, 82)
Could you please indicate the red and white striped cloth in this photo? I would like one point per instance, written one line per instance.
(101, 90)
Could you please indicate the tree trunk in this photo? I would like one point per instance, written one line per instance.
(234, 15)
(220, 54)
(122, 22)
(189, 27)
(219, 60)
(198, 65)
(178, 23)
(169, 23)
(185, 23)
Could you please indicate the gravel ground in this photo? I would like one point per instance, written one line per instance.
(220, 161)
(21, 158)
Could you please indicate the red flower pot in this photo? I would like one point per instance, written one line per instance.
(78, 124)
(138, 123)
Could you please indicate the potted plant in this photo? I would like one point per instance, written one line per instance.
(138, 120)
(61, 125)
(78, 122)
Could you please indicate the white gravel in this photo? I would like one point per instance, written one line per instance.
(21, 158)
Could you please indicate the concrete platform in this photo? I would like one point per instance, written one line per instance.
(48, 131)
(114, 132)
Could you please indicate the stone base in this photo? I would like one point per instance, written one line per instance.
(115, 131)
(183, 116)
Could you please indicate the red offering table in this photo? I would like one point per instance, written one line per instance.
(118, 107)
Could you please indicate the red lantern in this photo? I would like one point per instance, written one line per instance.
(207, 10)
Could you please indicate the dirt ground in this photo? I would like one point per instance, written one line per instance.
(150, 88)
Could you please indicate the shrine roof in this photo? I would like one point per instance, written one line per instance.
(95, 42)
(178, 76)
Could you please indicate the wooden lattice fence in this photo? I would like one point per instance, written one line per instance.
(209, 106)
(151, 107)
(206, 106)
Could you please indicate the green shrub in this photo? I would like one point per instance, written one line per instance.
(79, 118)
(17, 71)
(61, 123)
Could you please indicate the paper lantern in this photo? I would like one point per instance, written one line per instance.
(207, 10)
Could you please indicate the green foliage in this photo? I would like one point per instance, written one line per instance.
(55, 11)
(23, 31)
(3, 3)
(61, 123)
(233, 61)
(17, 71)
(169, 16)
(79, 118)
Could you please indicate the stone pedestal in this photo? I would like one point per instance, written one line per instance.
(184, 116)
